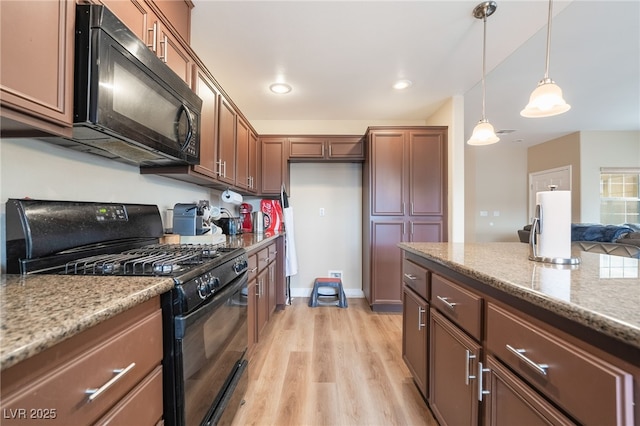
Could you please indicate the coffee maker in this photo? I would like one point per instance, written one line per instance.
(245, 216)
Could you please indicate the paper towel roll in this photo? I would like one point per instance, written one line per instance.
(231, 197)
(554, 240)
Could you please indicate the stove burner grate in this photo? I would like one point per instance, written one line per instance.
(157, 259)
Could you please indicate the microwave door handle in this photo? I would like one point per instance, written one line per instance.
(187, 139)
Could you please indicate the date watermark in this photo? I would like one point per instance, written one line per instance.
(29, 413)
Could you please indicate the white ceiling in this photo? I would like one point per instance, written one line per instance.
(341, 57)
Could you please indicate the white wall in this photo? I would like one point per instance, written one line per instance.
(451, 114)
(332, 241)
(603, 149)
(40, 170)
(496, 183)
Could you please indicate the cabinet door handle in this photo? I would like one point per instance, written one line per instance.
(410, 277)
(253, 270)
(481, 391)
(420, 321)
(120, 373)
(520, 353)
(467, 367)
(224, 165)
(330, 151)
(445, 300)
(164, 43)
(153, 30)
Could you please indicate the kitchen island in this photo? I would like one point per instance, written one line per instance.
(537, 342)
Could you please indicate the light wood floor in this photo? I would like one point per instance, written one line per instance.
(331, 366)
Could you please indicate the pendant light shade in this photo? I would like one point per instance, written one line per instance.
(546, 100)
(483, 133)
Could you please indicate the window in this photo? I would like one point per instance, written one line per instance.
(619, 196)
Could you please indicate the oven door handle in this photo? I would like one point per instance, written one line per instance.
(218, 299)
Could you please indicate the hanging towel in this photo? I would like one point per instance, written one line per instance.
(290, 244)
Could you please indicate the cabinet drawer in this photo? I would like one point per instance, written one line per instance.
(253, 266)
(147, 394)
(458, 304)
(416, 277)
(263, 259)
(588, 388)
(137, 350)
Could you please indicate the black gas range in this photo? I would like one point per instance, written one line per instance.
(204, 315)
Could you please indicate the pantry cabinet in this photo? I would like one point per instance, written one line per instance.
(101, 375)
(404, 193)
(36, 68)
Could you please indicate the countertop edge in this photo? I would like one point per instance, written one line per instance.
(611, 327)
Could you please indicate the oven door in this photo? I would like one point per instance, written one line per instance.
(210, 347)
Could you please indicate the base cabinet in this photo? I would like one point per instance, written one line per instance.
(491, 363)
(99, 375)
(453, 370)
(415, 314)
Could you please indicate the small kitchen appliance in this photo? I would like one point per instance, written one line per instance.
(245, 215)
(258, 222)
(191, 218)
(204, 375)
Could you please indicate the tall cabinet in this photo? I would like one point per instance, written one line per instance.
(404, 199)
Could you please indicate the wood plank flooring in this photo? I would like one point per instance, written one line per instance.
(331, 366)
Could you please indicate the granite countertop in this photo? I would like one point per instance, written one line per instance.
(602, 292)
(38, 311)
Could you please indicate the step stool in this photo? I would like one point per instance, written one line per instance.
(328, 282)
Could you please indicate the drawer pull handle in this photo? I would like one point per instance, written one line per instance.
(467, 370)
(445, 300)
(253, 270)
(420, 321)
(520, 353)
(119, 374)
(410, 277)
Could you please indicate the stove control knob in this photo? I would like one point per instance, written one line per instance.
(214, 282)
(204, 288)
(240, 265)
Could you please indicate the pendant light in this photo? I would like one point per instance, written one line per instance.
(546, 99)
(483, 133)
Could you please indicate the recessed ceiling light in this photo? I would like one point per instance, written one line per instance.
(402, 84)
(280, 88)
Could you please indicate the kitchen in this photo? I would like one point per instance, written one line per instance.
(51, 180)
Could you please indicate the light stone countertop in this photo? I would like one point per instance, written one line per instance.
(602, 292)
(38, 311)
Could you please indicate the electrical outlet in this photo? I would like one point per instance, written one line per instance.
(321, 211)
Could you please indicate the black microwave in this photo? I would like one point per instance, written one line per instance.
(128, 104)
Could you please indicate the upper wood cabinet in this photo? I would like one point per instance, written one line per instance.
(273, 165)
(226, 142)
(36, 67)
(324, 148)
(246, 151)
(205, 88)
(144, 19)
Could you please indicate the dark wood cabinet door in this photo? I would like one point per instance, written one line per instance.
(345, 149)
(253, 162)
(272, 293)
(206, 90)
(36, 74)
(426, 168)
(453, 372)
(136, 15)
(226, 141)
(415, 323)
(262, 301)
(306, 147)
(510, 401)
(426, 231)
(242, 152)
(273, 165)
(387, 173)
(172, 53)
(386, 264)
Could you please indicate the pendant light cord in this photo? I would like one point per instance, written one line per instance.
(546, 68)
(484, 54)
